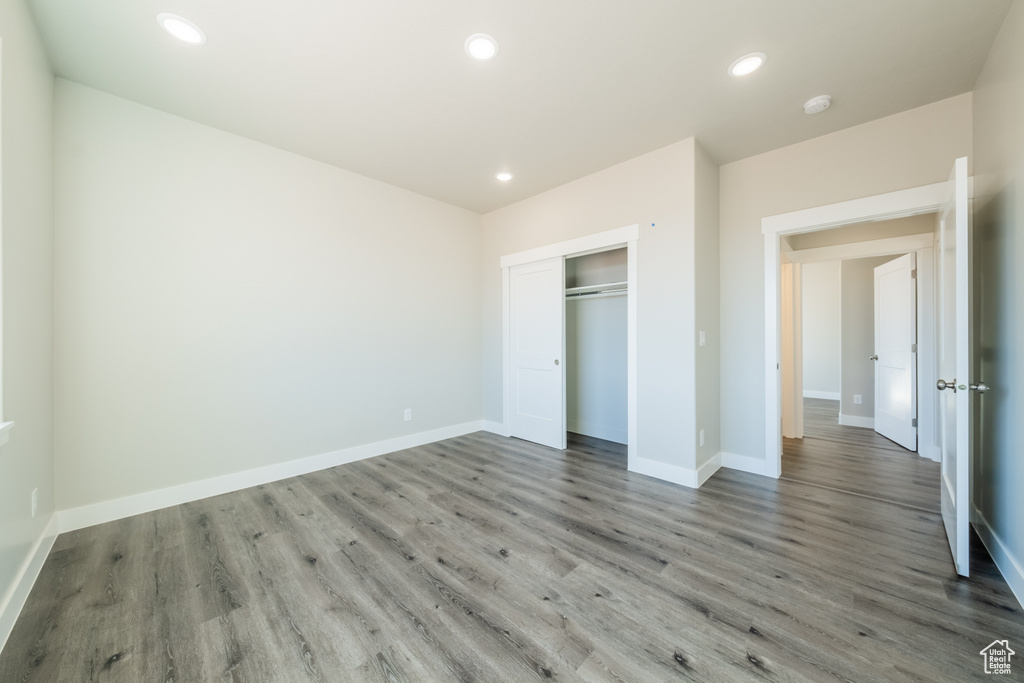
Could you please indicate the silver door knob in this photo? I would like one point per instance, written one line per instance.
(874, 357)
(943, 384)
(980, 387)
(556, 361)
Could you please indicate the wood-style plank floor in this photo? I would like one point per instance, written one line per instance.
(489, 559)
(858, 460)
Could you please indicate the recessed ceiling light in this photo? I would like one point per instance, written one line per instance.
(481, 46)
(181, 28)
(747, 64)
(817, 104)
(503, 176)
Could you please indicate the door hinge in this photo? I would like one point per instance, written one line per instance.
(913, 422)
(913, 273)
(913, 348)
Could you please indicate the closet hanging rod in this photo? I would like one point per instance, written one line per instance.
(596, 292)
(600, 287)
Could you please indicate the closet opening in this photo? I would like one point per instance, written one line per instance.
(602, 282)
(596, 348)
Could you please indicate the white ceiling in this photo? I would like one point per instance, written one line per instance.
(384, 87)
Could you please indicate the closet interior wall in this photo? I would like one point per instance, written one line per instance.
(595, 343)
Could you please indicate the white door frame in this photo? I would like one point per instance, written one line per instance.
(589, 244)
(900, 204)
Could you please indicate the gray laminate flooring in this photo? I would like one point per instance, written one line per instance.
(858, 460)
(489, 559)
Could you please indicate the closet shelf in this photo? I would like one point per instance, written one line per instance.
(606, 289)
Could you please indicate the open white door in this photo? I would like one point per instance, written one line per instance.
(536, 334)
(896, 351)
(954, 365)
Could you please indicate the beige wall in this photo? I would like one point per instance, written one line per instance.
(858, 332)
(706, 273)
(821, 325)
(657, 192)
(999, 286)
(26, 461)
(222, 305)
(909, 149)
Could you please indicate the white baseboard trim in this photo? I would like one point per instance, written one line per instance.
(856, 421)
(744, 463)
(829, 395)
(666, 472)
(933, 453)
(5, 432)
(705, 471)
(1009, 566)
(109, 510)
(495, 428)
(598, 431)
(14, 600)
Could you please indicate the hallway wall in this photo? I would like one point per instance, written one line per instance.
(822, 329)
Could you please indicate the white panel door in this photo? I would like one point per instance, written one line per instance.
(536, 352)
(954, 364)
(896, 351)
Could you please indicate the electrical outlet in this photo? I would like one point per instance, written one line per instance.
(858, 399)
(35, 501)
(703, 338)
(408, 414)
(702, 437)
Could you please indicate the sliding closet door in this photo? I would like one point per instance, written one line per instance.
(536, 346)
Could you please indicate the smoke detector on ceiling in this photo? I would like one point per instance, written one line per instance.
(817, 104)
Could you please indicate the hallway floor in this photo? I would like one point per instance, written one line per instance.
(857, 460)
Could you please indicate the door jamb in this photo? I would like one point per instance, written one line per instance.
(891, 205)
(627, 237)
(791, 340)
